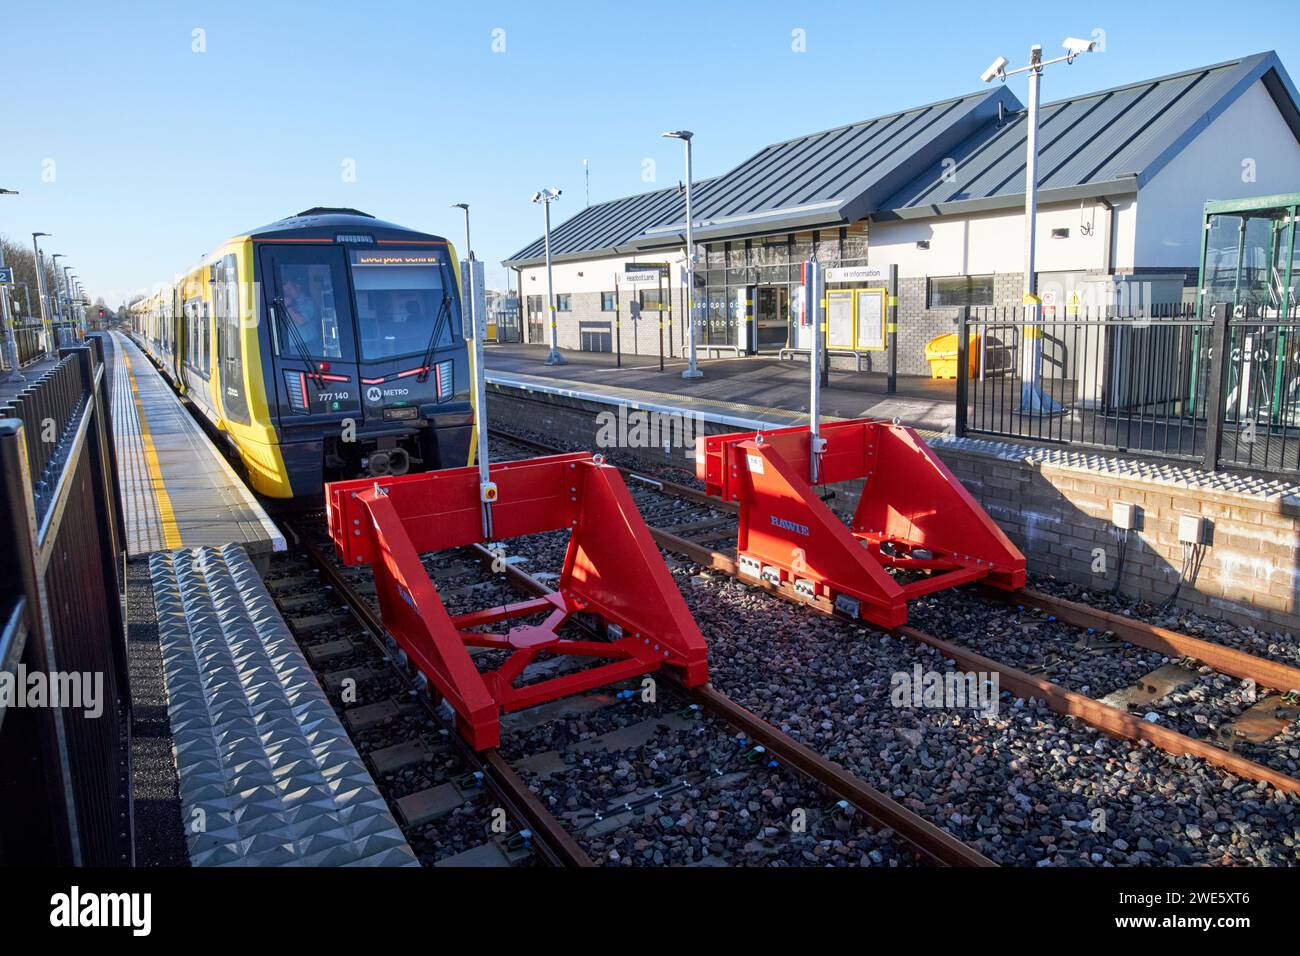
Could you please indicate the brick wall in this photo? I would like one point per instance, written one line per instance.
(1059, 514)
(1056, 507)
(638, 338)
(918, 324)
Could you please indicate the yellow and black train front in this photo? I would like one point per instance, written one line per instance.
(367, 355)
(326, 345)
(364, 353)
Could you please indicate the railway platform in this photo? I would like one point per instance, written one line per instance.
(177, 489)
(234, 736)
(754, 388)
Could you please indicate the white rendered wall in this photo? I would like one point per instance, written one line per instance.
(1249, 138)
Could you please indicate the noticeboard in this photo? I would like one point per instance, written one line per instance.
(839, 319)
(871, 319)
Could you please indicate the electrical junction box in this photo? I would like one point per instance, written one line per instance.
(1124, 516)
(1191, 529)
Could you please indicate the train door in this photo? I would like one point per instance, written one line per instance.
(308, 302)
(230, 346)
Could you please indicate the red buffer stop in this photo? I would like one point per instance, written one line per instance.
(914, 516)
(612, 570)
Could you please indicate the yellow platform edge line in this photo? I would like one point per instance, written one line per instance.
(166, 516)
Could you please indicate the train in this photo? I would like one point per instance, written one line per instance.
(324, 346)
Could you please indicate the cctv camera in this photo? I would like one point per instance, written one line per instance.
(995, 69)
(1074, 46)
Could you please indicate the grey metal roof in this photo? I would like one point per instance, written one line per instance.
(838, 175)
(606, 227)
(1106, 143)
(892, 167)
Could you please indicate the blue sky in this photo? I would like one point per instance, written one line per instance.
(159, 152)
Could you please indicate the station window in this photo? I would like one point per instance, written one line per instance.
(652, 300)
(949, 291)
(608, 301)
(534, 305)
(563, 302)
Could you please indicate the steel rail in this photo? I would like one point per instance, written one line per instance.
(555, 843)
(933, 843)
(1226, 660)
(1109, 720)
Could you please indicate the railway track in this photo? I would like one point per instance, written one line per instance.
(1043, 647)
(620, 775)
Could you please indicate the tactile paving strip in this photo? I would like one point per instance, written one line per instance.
(268, 776)
(1178, 476)
(203, 501)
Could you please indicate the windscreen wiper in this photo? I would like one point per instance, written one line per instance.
(426, 362)
(295, 340)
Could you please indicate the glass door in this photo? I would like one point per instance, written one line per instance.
(772, 316)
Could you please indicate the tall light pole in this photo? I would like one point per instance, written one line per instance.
(10, 345)
(546, 197)
(1032, 397)
(40, 288)
(487, 490)
(78, 310)
(692, 370)
(67, 295)
(56, 294)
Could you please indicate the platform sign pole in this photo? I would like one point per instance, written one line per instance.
(891, 329)
(478, 329)
(812, 320)
(660, 287)
(618, 324)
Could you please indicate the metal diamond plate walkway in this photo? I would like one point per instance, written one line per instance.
(268, 776)
(177, 489)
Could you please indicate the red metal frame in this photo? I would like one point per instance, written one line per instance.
(612, 569)
(913, 515)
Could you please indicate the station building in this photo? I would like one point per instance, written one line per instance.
(937, 192)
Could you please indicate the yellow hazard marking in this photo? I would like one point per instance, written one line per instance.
(1030, 299)
(893, 300)
(891, 326)
(166, 516)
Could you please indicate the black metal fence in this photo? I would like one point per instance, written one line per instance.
(64, 770)
(1146, 384)
(28, 341)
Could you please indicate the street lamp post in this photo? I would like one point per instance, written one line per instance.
(40, 288)
(1032, 397)
(67, 296)
(10, 344)
(78, 309)
(692, 370)
(487, 490)
(56, 296)
(546, 197)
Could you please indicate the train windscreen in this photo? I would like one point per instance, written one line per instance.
(401, 297)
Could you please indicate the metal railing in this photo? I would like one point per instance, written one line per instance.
(65, 769)
(1145, 384)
